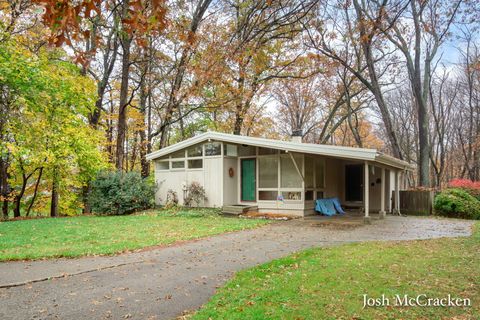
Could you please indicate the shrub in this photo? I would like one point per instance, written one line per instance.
(457, 203)
(195, 194)
(172, 199)
(116, 193)
(472, 187)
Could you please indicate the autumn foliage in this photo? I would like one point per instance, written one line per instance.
(66, 19)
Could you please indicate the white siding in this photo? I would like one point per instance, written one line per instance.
(212, 181)
(230, 184)
(176, 179)
(167, 180)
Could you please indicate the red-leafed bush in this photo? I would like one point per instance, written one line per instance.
(472, 187)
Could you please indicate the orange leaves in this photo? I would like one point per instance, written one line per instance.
(64, 18)
(68, 20)
(144, 18)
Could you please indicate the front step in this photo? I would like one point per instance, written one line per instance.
(238, 209)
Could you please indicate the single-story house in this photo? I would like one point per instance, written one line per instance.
(278, 176)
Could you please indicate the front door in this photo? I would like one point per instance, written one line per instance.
(354, 183)
(248, 179)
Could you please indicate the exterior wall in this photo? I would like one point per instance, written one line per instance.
(213, 181)
(176, 179)
(221, 189)
(335, 184)
(375, 188)
(334, 180)
(169, 180)
(230, 184)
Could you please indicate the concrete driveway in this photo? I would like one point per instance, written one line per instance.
(164, 283)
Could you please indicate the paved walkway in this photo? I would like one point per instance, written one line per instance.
(164, 283)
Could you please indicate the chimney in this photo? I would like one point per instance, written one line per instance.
(296, 136)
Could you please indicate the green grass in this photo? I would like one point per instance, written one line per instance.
(91, 235)
(329, 283)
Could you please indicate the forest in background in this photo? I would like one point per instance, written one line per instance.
(94, 85)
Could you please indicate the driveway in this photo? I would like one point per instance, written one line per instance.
(166, 282)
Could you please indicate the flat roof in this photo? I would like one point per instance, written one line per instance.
(299, 147)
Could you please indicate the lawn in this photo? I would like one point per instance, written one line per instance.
(91, 235)
(329, 283)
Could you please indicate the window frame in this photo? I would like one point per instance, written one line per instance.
(204, 152)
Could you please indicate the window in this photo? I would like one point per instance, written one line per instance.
(195, 164)
(289, 174)
(309, 166)
(268, 172)
(231, 150)
(245, 150)
(319, 173)
(178, 164)
(309, 195)
(213, 149)
(161, 165)
(267, 195)
(292, 195)
(266, 151)
(178, 154)
(320, 195)
(195, 151)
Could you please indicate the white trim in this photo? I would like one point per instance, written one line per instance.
(309, 148)
(366, 189)
(222, 170)
(382, 192)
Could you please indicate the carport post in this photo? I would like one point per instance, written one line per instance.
(366, 195)
(396, 210)
(382, 195)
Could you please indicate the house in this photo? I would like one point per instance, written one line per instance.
(278, 176)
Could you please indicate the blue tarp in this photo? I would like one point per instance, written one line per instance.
(329, 206)
(338, 206)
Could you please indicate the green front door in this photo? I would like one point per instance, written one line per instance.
(248, 179)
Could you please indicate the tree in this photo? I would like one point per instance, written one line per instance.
(360, 49)
(58, 145)
(419, 44)
(259, 45)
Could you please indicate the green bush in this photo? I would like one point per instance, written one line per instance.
(117, 193)
(457, 203)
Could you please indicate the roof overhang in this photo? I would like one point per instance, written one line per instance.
(309, 148)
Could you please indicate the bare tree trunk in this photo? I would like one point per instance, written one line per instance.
(4, 156)
(110, 134)
(4, 186)
(122, 110)
(374, 87)
(144, 95)
(54, 197)
(173, 99)
(85, 194)
(19, 196)
(35, 192)
(144, 164)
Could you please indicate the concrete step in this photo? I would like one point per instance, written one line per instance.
(238, 209)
